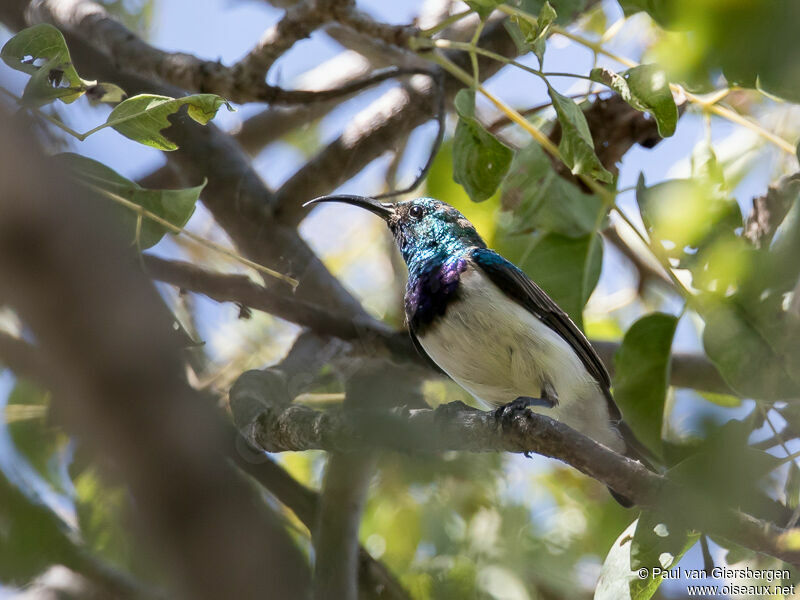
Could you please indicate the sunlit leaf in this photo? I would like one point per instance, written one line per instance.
(726, 400)
(641, 375)
(646, 544)
(535, 36)
(645, 88)
(655, 544)
(483, 7)
(175, 206)
(105, 92)
(576, 146)
(545, 201)
(41, 52)
(480, 160)
(102, 511)
(39, 442)
(143, 117)
(616, 574)
(567, 10)
(740, 39)
(683, 215)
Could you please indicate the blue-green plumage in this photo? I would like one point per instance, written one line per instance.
(492, 329)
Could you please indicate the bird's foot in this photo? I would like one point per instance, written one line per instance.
(506, 413)
(445, 412)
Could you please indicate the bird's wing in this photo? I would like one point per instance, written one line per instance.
(511, 280)
(421, 351)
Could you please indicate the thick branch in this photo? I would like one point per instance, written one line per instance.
(78, 290)
(20, 357)
(344, 492)
(376, 129)
(243, 82)
(688, 370)
(242, 290)
(456, 427)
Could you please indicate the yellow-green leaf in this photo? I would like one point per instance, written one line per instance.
(645, 88)
(175, 206)
(143, 117)
(41, 52)
(576, 146)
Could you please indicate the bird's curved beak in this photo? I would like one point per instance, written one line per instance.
(384, 210)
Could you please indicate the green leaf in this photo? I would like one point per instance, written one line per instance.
(641, 375)
(647, 543)
(566, 268)
(687, 214)
(739, 39)
(616, 574)
(756, 361)
(32, 537)
(726, 400)
(483, 7)
(725, 469)
(656, 544)
(480, 160)
(645, 88)
(576, 146)
(176, 206)
(535, 36)
(568, 10)
(41, 52)
(143, 117)
(37, 441)
(545, 201)
(101, 511)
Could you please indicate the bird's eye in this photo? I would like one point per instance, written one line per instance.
(416, 212)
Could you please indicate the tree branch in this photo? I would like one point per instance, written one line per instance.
(688, 370)
(375, 580)
(344, 492)
(20, 357)
(79, 292)
(456, 427)
(243, 82)
(392, 117)
(769, 211)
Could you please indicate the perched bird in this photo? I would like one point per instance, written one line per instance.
(493, 330)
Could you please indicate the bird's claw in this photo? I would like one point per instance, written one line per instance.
(506, 413)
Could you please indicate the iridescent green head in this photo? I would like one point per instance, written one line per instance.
(424, 228)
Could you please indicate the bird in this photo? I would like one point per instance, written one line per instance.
(493, 330)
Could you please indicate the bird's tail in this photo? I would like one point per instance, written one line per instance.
(637, 451)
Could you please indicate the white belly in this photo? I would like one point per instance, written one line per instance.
(497, 350)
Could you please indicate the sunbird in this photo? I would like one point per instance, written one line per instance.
(494, 331)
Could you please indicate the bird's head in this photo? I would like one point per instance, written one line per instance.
(423, 228)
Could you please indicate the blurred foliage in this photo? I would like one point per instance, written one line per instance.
(753, 43)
